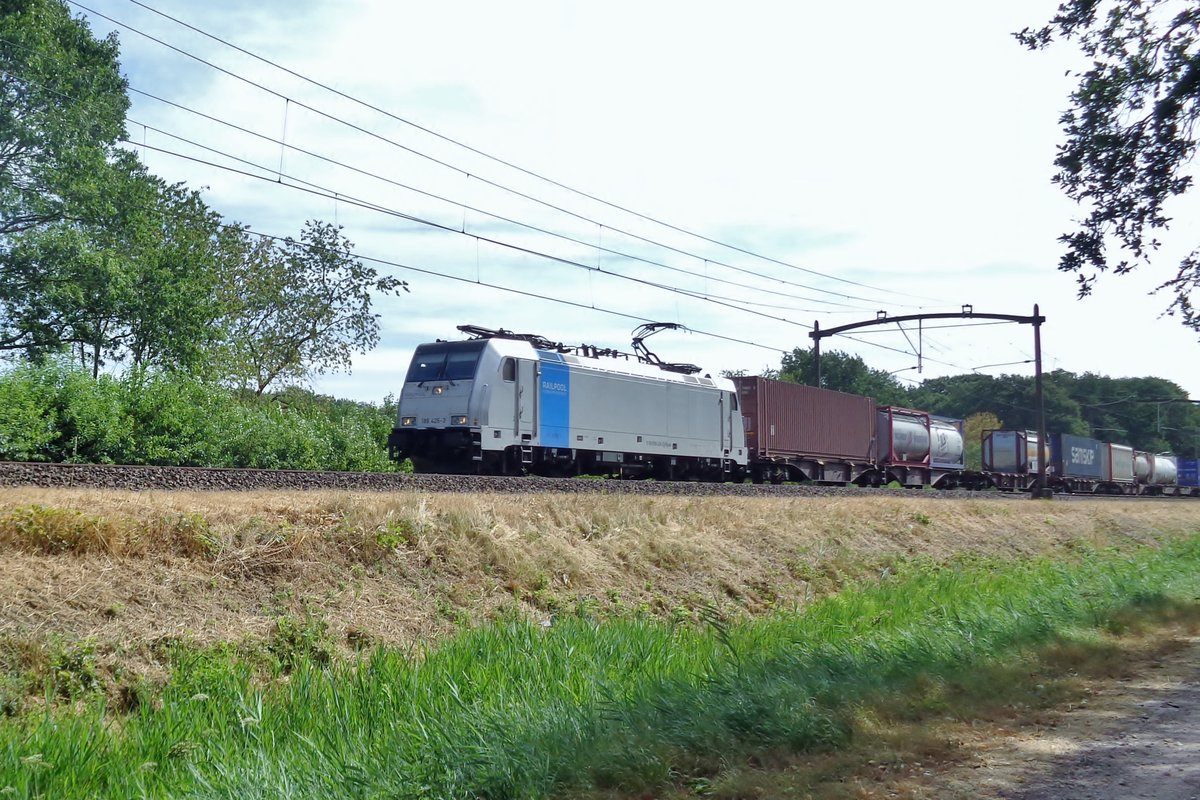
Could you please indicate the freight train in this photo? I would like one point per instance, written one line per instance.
(1077, 464)
(506, 403)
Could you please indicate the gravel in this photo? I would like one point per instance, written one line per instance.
(144, 478)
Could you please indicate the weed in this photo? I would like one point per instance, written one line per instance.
(294, 642)
(195, 535)
(73, 670)
(394, 534)
(56, 530)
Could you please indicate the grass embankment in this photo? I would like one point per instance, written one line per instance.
(517, 710)
(339, 645)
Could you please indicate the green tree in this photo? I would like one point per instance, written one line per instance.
(62, 108)
(140, 287)
(1009, 397)
(168, 245)
(844, 373)
(1147, 413)
(1130, 133)
(297, 306)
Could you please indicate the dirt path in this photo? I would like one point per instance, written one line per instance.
(1137, 738)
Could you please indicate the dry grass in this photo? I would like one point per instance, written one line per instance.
(129, 569)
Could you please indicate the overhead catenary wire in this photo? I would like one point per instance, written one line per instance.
(345, 198)
(477, 151)
(275, 176)
(495, 184)
(320, 191)
(697, 295)
(466, 207)
(509, 289)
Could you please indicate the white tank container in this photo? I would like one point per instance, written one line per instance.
(1164, 471)
(1143, 466)
(910, 437)
(947, 442)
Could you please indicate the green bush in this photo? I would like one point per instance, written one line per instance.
(27, 428)
(58, 412)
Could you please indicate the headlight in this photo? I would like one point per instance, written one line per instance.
(439, 389)
(462, 420)
(408, 421)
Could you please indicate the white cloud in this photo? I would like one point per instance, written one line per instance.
(905, 146)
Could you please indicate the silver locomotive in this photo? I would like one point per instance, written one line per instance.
(505, 403)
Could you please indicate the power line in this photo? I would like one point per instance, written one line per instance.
(330, 194)
(459, 204)
(487, 181)
(500, 287)
(327, 193)
(320, 191)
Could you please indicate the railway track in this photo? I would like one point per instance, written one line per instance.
(154, 478)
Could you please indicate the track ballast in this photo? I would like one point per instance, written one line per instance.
(203, 479)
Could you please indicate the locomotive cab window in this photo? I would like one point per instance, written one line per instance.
(509, 370)
(733, 401)
(461, 366)
(445, 361)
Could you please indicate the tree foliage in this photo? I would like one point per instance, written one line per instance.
(1130, 133)
(1150, 414)
(844, 373)
(297, 306)
(104, 260)
(62, 108)
(139, 287)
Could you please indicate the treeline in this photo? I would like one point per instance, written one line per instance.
(104, 262)
(138, 324)
(59, 412)
(1149, 414)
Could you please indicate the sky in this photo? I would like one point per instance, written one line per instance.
(744, 170)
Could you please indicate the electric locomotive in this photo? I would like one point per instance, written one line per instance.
(505, 403)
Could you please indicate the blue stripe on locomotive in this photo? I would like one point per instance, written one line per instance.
(1189, 472)
(1076, 456)
(554, 401)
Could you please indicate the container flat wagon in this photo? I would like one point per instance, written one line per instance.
(796, 432)
(1010, 459)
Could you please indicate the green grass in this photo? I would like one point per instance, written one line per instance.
(515, 710)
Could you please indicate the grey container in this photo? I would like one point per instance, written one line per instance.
(1118, 463)
(1012, 452)
(789, 420)
(1078, 457)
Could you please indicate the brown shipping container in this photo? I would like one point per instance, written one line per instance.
(787, 419)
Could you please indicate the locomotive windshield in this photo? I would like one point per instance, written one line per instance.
(445, 361)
